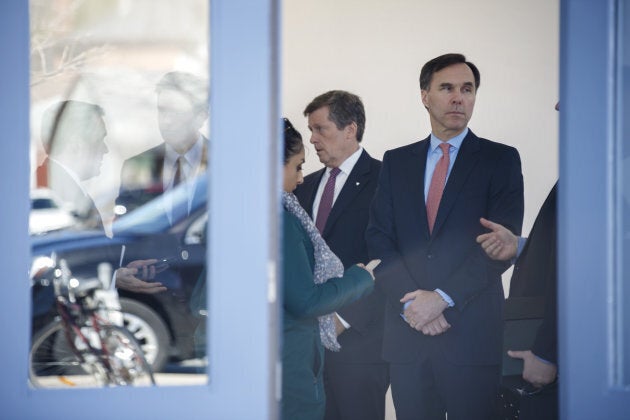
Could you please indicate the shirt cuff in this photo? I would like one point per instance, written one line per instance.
(343, 321)
(402, 314)
(446, 298)
(547, 362)
(519, 247)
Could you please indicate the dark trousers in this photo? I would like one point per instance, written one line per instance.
(430, 386)
(355, 391)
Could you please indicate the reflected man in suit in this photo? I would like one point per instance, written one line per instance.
(443, 322)
(356, 378)
(73, 135)
(182, 105)
(535, 275)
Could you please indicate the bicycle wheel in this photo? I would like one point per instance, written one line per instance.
(124, 359)
(55, 362)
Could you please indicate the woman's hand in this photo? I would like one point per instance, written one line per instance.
(370, 267)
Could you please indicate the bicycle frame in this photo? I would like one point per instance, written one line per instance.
(99, 345)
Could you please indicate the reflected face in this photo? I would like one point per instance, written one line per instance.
(333, 146)
(292, 175)
(93, 149)
(179, 122)
(450, 100)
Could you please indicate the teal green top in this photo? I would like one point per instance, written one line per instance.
(302, 351)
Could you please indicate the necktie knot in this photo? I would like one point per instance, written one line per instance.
(445, 148)
(334, 172)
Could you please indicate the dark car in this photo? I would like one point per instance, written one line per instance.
(163, 323)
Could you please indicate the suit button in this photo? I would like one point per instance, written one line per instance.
(430, 256)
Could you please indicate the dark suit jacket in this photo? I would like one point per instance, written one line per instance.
(345, 235)
(146, 165)
(535, 275)
(485, 181)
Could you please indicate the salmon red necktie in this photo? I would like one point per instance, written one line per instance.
(437, 185)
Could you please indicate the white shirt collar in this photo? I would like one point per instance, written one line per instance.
(348, 164)
(192, 156)
(455, 142)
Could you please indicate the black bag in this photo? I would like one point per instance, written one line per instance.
(517, 398)
(522, 317)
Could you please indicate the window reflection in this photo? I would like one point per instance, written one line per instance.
(119, 154)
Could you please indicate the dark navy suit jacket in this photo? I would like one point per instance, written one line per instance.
(147, 166)
(535, 275)
(344, 233)
(485, 181)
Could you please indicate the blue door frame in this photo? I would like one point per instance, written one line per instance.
(588, 279)
(243, 344)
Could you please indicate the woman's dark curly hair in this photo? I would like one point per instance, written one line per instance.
(292, 141)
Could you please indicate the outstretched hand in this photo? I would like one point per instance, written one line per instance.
(499, 244)
(127, 277)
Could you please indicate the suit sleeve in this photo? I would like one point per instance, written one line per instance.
(392, 276)
(546, 341)
(302, 297)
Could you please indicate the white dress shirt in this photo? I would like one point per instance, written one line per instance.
(345, 168)
(190, 167)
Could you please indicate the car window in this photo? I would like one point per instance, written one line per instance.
(43, 203)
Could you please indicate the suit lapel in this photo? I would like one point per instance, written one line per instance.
(417, 170)
(309, 189)
(158, 164)
(356, 181)
(467, 158)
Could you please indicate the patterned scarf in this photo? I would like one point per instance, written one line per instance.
(327, 266)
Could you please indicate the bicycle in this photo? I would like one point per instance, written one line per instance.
(86, 345)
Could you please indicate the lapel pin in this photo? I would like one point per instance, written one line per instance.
(358, 184)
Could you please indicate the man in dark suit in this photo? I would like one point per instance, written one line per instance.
(444, 313)
(182, 110)
(535, 275)
(356, 378)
